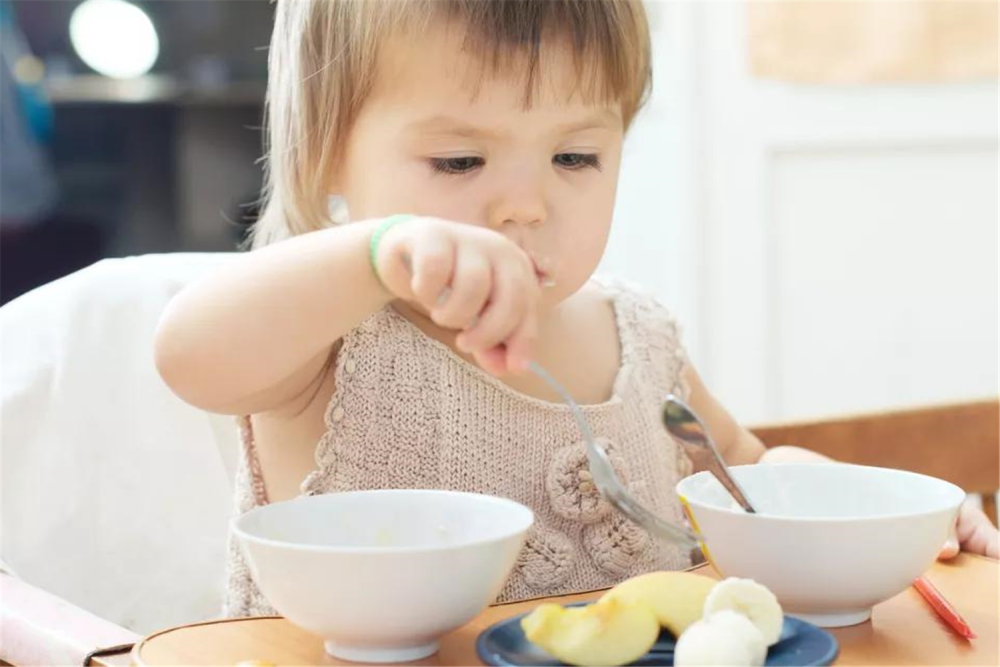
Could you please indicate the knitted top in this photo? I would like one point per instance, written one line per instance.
(407, 412)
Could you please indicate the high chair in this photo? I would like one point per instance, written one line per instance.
(116, 495)
(959, 442)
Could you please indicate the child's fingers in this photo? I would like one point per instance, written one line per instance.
(520, 345)
(951, 545)
(975, 532)
(492, 360)
(431, 265)
(950, 549)
(505, 312)
(965, 523)
(984, 540)
(471, 284)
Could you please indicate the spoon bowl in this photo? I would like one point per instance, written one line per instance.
(692, 434)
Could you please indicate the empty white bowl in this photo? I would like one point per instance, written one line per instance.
(830, 540)
(382, 575)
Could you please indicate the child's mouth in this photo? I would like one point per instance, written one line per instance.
(542, 271)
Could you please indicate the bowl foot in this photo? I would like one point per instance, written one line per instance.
(374, 654)
(835, 620)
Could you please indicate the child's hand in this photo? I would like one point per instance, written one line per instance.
(470, 279)
(973, 532)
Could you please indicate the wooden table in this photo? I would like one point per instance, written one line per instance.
(903, 630)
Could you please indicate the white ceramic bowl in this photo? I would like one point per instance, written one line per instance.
(831, 540)
(382, 575)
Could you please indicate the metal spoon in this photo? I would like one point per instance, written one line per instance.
(682, 423)
(607, 480)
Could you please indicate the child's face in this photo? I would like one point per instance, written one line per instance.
(546, 176)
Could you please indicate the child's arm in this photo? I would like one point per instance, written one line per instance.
(737, 445)
(251, 336)
(257, 334)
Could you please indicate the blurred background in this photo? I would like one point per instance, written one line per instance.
(812, 188)
(137, 132)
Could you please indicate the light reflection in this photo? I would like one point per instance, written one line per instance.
(114, 37)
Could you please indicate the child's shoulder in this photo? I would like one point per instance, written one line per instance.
(636, 304)
(649, 335)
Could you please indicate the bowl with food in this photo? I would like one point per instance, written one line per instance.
(830, 540)
(382, 575)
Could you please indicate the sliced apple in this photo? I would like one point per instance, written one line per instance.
(677, 598)
(608, 632)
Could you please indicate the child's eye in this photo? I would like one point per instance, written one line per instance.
(577, 160)
(456, 165)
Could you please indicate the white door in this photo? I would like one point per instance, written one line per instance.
(831, 248)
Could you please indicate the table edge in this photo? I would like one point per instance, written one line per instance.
(135, 659)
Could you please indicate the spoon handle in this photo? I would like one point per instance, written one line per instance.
(733, 487)
(692, 435)
(607, 480)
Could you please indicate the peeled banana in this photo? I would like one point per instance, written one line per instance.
(751, 599)
(724, 638)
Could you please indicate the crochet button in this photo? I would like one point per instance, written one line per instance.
(570, 485)
(338, 413)
(350, 366)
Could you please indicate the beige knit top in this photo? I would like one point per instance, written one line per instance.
(407, 412)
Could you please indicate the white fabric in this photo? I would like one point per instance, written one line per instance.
(115, 494)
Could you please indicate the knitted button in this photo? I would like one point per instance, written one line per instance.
(616, 545)
(350, 366)
(338, 413)
(571, 488)
(547, 559)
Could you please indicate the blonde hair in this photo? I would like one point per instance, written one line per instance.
(322, 66)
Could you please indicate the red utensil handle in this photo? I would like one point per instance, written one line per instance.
(943, 608)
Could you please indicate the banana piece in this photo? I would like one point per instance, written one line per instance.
(751, 599)
(604, 633)
(724, 638)
(677, 598)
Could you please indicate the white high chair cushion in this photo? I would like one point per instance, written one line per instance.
(116, 495)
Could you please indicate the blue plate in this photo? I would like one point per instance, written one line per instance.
(801, 643)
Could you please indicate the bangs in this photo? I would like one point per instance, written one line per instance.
(607, 39)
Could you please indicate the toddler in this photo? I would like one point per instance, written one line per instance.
(441, 177)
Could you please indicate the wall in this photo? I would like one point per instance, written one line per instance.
(830, 249)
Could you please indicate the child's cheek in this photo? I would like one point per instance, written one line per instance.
(575, 267)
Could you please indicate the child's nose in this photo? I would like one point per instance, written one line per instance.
(520, 203)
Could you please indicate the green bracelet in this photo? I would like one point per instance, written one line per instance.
(379, 232)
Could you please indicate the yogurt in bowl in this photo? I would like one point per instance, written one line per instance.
(382, 575)
(830, 540)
